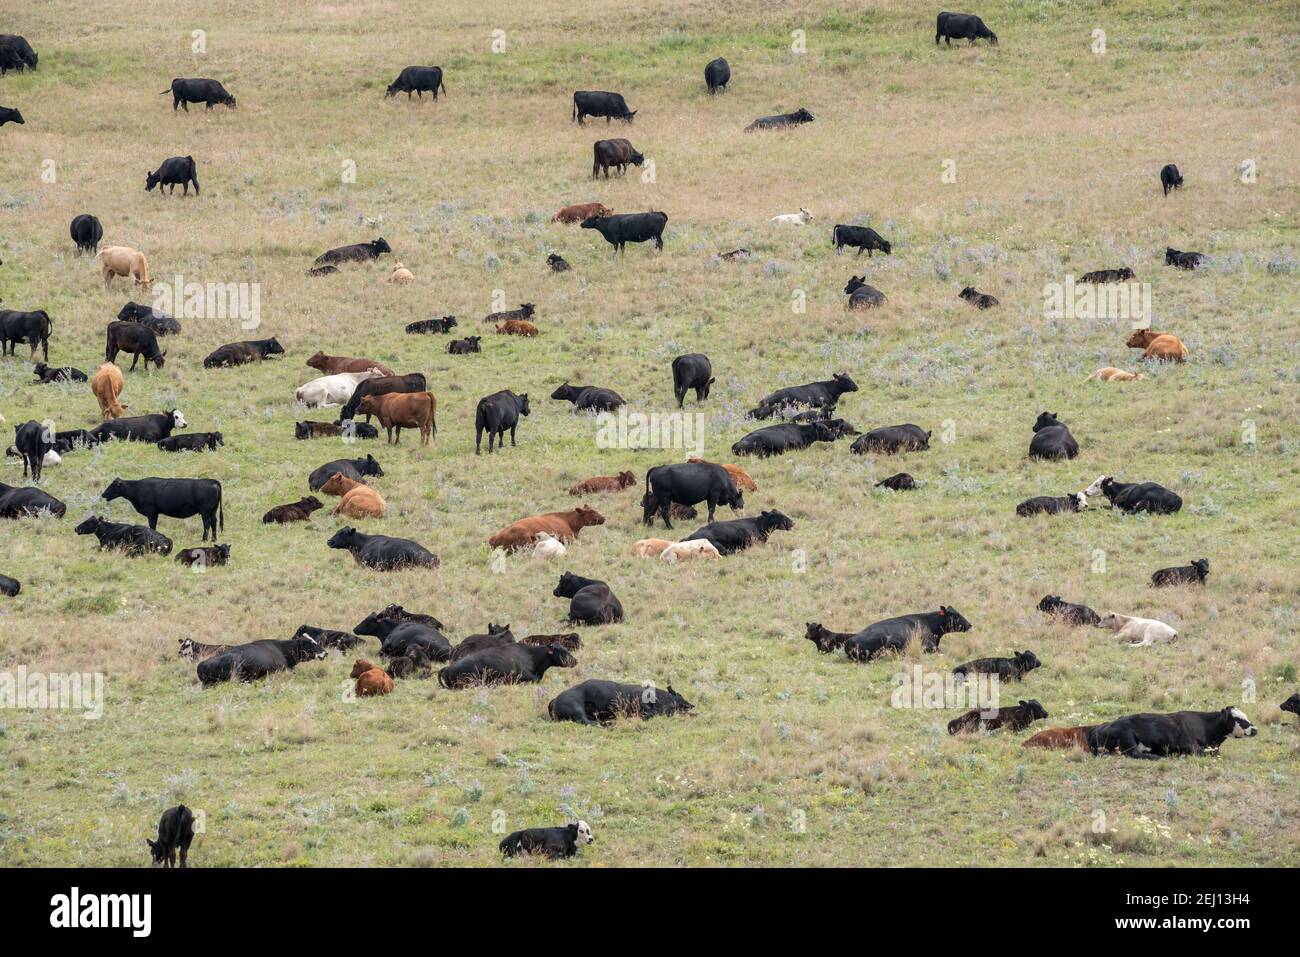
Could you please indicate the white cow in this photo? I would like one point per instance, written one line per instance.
(1138, 632)
(548, 547)
(801, 218)
(689, 551)
(332, 389)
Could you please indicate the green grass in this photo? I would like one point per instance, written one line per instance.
(792, 757)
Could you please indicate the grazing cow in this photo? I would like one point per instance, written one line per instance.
(1052, 439)
(8, 115)
(299, 511)
(191, 442)
(131, 540)
(1183, 260)
(86, 231)
(357, 500)
(599, 702)
(565, 526)
(1138, 632)
(187, 91)
(397, 636)
(403, 410)
(591, 601)
(516, 327)
(401, 276)
(328, 638)
(557, 263)
(509, 663)
(603, 483)
(204, 557)
(355, 469)
(1067, 613)
(161, 323)
(893, 439)
(23, 501)
(687, 484)
(135, 338)
(1291, 704)
(738, 475)
(611, 106)
(1193, 574)
(823, 395)
(242, 353)
(618, 153)
(257, 659)
(417, 80)
(980, 300)
(627, 228)
(330, 390)
(1170, 178)
(383, 552)
(322, 430)
(1136, 496)
(548, 548)
(586, 398)
(1014, 718)
(382, 385)
(690, 551)
(962, 26)
(32, 328)
(860, 237)
(1123, 274)
(1060, 738)
(1153, 736)
(33, 441)
(1111, 374)
(552, 842)
(525, 311)
(173, 497)
(356, 253)
(863, 296)
(717, 74)
(336, 365)
(428, 326)
(738, 534)
(175, 171)
(371, 679)
(140, 428)
(781, 121)
(1007, 669)
(891, 634)
(175, 832)
(1160, 346)
(692, 371)
(10, 586)
(46, 374)
(16, 53)
(902, 482)
(463, 347)
(580, 211)
(496, 414)
(650, 547)
(788, 436)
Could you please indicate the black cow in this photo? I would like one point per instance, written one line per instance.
(1123, 274)
(131, 540)
(355, 469)
(46, 374)
(591, 601)
(16, 53)
(611, 106)
(72, 439)
(383, 552)
(32, 328)
(788, 436)
(425, 326)
(175, 832)
(510, 663)
(1052, 504)
(1064, 611)
(552, 842)
(1015, 667)
(173, 497)
(717, 74)
(139, 428)
(687, 483)
(1291, 704)
(10, 586)
(357, 252)
(184, 92)
(496, 635)
(862, 237)
(587, 398)
(623, 228)
(328, 638)
(892, 439)
(1170, 178)
(204, 557)
(740, 533)
(398, 636)
(381, 385)
(596, 702)
(463, 347)
(1014, 718)
(558, 263)
(819, 395)
(1193, 574)
(962, 26)
(161, 323)
(8, 115)
(191, 442)
(862, 296)
(1137, 496)
(1153, 736)
(257, 659)
(417, 80)
(299, 511)
(496, 414)
(135, 338)
(1182, 260)
(607, 153)
(86, 232)
(32, 440)
(525, 311)
(174, 171)
(902, 482)
(893, 634)
(781, 120)
(320, 430)
(22, 501)
(692, 371)
(980, 300)
(242, 353)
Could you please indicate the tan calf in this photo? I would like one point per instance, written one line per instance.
(1111, 374)
(650, 547)
(124, 261)
(358, 499)
(106, 383)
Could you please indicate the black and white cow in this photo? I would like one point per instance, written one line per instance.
(552, 842)
(257, 659)
(1052, 439)
(1153, 736)
(328, 638)
(46, 373)
(173, 497)
(140, 428)
(1136, 496)
(596, 701)
(383, 552)
(739, 534)
(687, 483)
(1052, 504)
(1193, 574)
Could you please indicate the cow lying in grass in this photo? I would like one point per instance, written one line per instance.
(131, 540)
(329, 638)
(1052, 504)
(1015, 667)
(204, 557)
(739, 534)
(603, 483)
(1015, 718)
(1193, 574)
(257, 659)
(565, 526)
(552, 842)
(510, 663)
(1135, 496)
(397, 636)
(598, 702)
(358, 500)
(383, 552)
(299, 511)
(891, 634)
(591, 602)
(1064, 611)
(1153, 736)
(371, 680)
(1060, 738)
(1138, 632)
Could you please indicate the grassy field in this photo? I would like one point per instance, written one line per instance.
(792, 758)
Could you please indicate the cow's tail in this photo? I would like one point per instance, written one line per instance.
(443, 85)
(221, 508)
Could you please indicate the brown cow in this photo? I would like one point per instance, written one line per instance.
(577, 213)
(1111, 374)
(124, 261)
(604, 483)
(516, 327)
(1063, 738)
(563, 525)
(1158, 345)
(403, 410)
(371, 679)
(299, 511)
(738, 475)
(358, 499)
(106, 383)
(330, 365)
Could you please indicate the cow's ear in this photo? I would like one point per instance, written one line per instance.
(943, 610)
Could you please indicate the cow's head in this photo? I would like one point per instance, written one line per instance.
(1292, 704)
(1026, 660)
(819, 636)
(951, 619)
(585, 515)
(157, 849)
(568, 585)
(1241, 726)
(344, 538)
(1046, 420)
(380, 246)
(116, 489)
(854, 283)
(1080, 501)
(371, 404)
(674, 698)
(215, 439)
(626, 479)
(637, 158)
(557, 656)
(88, 526)
(150, 181)
(1050, 603)
(391, 91)
(230, 101)
(1096, 487)
(523, 404)
(371, 467)
(528, 309)
(1112, 620)
(582, 833)
(302, 430)
(318, 361)
(336, 484)
(844, 383)
(222, 552)
(306, 648)
(186, 649)
(775, 520)
(273, 347)
(178, 420)
(1202, 566)
(1034, 710)
(1140, 339)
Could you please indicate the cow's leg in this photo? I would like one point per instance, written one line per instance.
(153, 521)
(399, 436)
(659, 242)
(665, 507)
(713, 506)
(185, 104)
(209, 109)
(184, 854)
(135, 357)
(512, 434)
(478, 438)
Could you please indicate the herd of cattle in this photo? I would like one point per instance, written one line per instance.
(414, 645)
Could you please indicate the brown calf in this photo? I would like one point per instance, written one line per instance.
(577, 213)
(516, 327)
(604, 483)
(1158, 345)
(106, 383)
(403, 410)
(563, 525)
(331, 365)
(358, 499)
(1063, 738)
(371, 680)
(299, 511)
